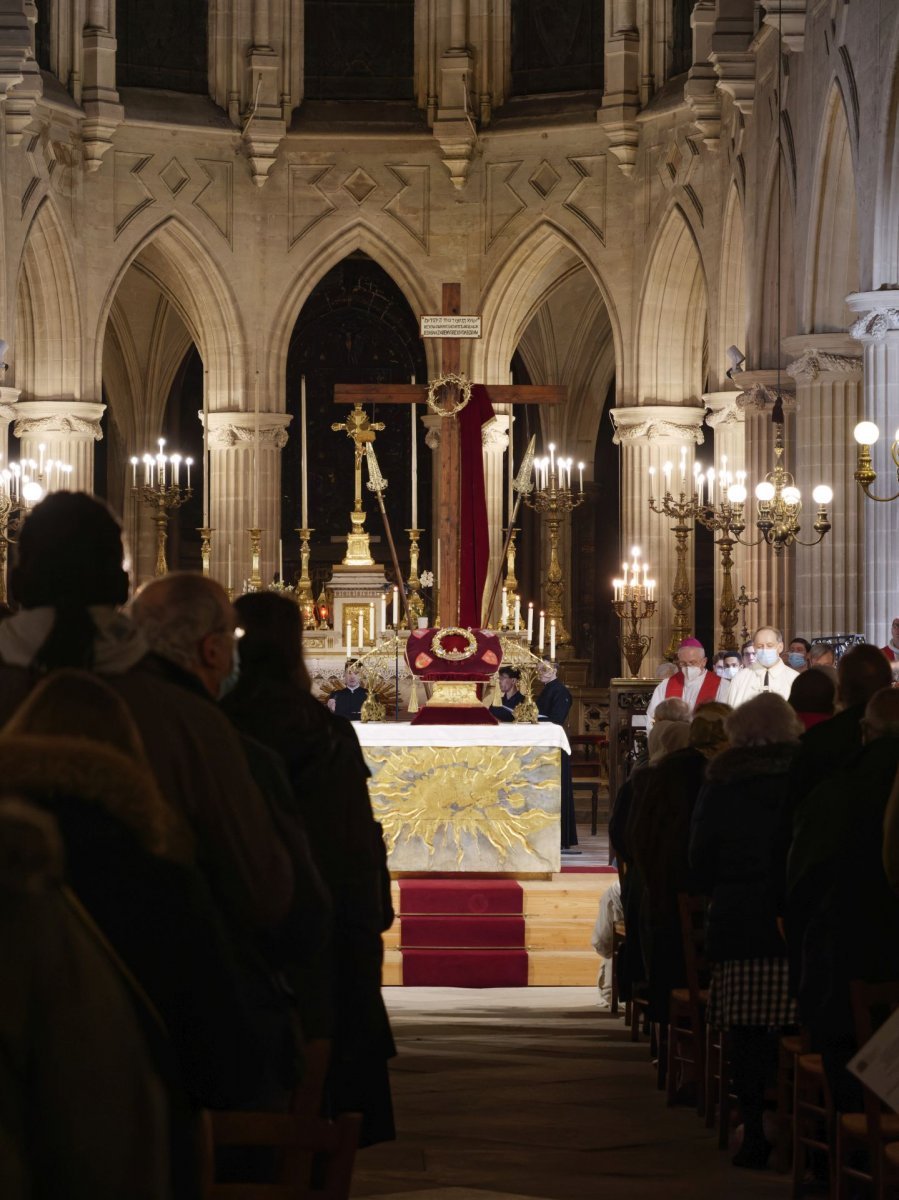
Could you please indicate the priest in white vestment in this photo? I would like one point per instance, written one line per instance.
(769, 673)
(691, 683)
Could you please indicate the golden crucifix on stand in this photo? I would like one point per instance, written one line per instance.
(361, 431)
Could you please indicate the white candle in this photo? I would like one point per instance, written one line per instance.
(530, 621)
(371, 622)
(504, 612)
(414, 466)
(517, 613)
(134, 472)
(176, 469)
(305, 497)
(541, 633)
(438, 564)
(189, 462)
(41, 450)
(552, 458)
(349, 639)
(552, 641)
(396, 607)
(230, 567)
(383, 611)
(683, 464)
(580, 471)
(361, 632)
(280, 560)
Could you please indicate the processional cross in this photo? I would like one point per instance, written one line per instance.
(450, 482)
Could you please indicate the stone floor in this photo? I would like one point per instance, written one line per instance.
(532, 1092)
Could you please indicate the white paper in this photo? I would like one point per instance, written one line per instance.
(877, 1063)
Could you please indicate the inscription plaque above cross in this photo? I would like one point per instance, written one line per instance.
(450, 481)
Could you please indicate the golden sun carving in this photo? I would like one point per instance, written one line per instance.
(479, 792)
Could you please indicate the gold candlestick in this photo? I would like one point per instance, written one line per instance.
(206, 548)
(162, 501)
(511, 583)
(254, 584)
(683, 511)
(305, 599)
(6, 508)
(415, 605)
(555, 504)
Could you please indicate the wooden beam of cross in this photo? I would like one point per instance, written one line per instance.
(450, 482)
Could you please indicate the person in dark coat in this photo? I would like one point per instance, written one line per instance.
(509, 679)
(843, 917)
(554, 704)
(327, 771)
(347, 701)
(739, 839)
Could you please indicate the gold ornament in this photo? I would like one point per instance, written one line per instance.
(454, 655)
(459, 381)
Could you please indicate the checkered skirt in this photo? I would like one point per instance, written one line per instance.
(751, 991)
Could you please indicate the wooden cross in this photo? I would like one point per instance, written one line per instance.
(449, 485)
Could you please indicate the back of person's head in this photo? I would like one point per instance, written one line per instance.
(863, 670)
(664, 739)
(707, 732)
(673, 709)
(766, 720)
(272, 642)
(881, 717)
(819, 651)
(80, 705)
(69, 557)
(178, 610)
(813, 692)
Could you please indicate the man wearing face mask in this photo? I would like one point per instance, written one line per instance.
(797, 655)
(769, 673)
(693, 683)
(727, 664)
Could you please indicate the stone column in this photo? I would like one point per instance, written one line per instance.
(67, 429)
(650, 436)
(729, 423)
(8, 398)
(829, 578)
(496, 443)
(877, 329)
(232, 445)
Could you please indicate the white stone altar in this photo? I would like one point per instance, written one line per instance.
(479, 798)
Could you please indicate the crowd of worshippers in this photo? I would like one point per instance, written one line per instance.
(184, 923)
(779, 814)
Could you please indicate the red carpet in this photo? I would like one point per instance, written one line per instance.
(462, 933)
(589, 870)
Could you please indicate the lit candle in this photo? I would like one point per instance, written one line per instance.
(580, 471)
(349, 639)
(305, 498)
(666, 471)
(710, 478)
(396, 607)
(189, 462)
(552, 458)
(414, 465)
(541, 633)
(230, 567)
(517, 614)
(40, 453)
(176, 469)
(280, 560)
(530, 621)
(683, 465)
(134, 472)
(371, 622)
(504, 614)
(383, 611)
(652, 479)
(361, 632)
(552, 641)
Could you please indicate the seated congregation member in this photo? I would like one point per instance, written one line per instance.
(272, 702)
(73, 752)
(693, 683)
(659, 837)
(796, 654)
(739, 839)
(727, 664)
(509, 678)
(862, 672)
(347, 701)
(812, 696)
(822, 655)
(843, 914)
(768, 672)
(554, 704)
(70, 582)
(83, 1112)
(189, 623)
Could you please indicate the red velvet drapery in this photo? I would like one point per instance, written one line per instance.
(474, 540)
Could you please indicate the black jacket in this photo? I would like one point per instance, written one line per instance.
(348, 703)
(554, 702)
(506, 710)
(739, 839)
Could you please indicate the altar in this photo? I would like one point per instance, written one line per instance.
(467, 798)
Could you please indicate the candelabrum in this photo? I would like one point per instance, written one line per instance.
(22, 485)
(723, 520)
(415, 605)
(554, 499)
(206, 548)
(511, 583)
(744, 600)
(254, 583)
(304, 595)
(162, 501)
(634, 603)
(683, 512)
(866, 434)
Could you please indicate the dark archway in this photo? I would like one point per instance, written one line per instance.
(356, 327)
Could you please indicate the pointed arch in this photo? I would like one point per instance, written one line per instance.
(733, 313)
(774, 314)
(48, 313)
(832, 270)
(673, 321)
(357, 237)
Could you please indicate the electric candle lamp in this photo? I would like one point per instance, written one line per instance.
(349, 639)
(517, 614)
(383, 611)
(371, 622)
(541, 633)
(530, 621)
(396, 607)
(361, 632)
(552, 641)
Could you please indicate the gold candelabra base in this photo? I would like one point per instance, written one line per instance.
(304, 595)
(162, 501)
(254, 583)
(415, 605)
(206, 548)
(632, 612)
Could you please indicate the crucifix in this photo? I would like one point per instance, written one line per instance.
(361, 432)
(450, 482)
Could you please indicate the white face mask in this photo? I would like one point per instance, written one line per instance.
(729, 672)
(691, 673)
(766, 657)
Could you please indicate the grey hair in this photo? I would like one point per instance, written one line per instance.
(763, 721)
(773, 628)
(176, 612)
(672, 709)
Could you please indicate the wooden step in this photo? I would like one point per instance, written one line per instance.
(563, 968)
(559, 933)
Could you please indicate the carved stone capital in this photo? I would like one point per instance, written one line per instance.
(658, 423)
(723, 410)
(8, 398)
(813, 362)
(230, 429)
(874, 325)
(74, 418)
(494, 436)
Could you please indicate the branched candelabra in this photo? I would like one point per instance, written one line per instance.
(162, 493)
(683, 512)
(634, 602)
(554, 499)
(780, 502)
(22, 485)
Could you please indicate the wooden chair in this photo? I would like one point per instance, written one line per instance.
(812, 1117)
(890, 1176)
(872, 1004)
(304, 1142)
(687, 1006)
(590, 771)
(719, 1099)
